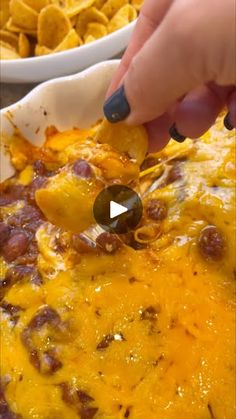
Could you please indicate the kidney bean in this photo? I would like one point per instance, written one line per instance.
(11, 194)
(12, 311)
(68, 394)
(45, 315)
(36, 184)
(156, 209)
(88, 412)
(15, 246)
(84, 397)
(174, 174)
(49, 364)
(79, 400)
(4, 233)
(5, 410)
(18, 272)
(45, 362)
(82, 169)
(30, 256)
(39, 168)
(36, 278)
(26, 215)
(211, 243)
(108, 242)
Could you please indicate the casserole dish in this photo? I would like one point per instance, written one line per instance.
(143, 327)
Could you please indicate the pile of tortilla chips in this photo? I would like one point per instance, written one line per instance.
(40, 27)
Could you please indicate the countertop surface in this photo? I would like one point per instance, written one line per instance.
(11, 93)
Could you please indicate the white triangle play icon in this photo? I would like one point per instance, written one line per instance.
(116, 209)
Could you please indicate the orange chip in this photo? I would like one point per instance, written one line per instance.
(23, 15)
(4, 12)
(134, 139)
(97, 30)
(42, 50)
(122, 18)
(99, 3)
(71, 40)
(10, 26)
(112, 6)
(53, 26)
(87, 16)
(78, 6)
(23, 46)
(37, 4)
(9, 38)
(7, 52)
(89, 39)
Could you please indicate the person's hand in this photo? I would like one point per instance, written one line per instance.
(179, 70)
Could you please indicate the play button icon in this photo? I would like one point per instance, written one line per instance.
(118, 209)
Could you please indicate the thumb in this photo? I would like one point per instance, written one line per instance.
(177, 58)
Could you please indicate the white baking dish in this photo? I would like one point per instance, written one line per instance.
(67, 102)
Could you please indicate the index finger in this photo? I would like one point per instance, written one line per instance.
(150, 17)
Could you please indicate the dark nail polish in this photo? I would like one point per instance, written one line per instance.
(176, 135)
(227, 122)
(116, 107)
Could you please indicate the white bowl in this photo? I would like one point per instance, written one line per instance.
(36, 69)
(67, 102)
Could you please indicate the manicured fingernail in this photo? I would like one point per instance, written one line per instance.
(116, 107)
(176, 135)
(227, 122)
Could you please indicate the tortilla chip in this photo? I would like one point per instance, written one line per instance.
(4, 12)
(112, 6)
(9, 38)
(58, 25)
(137, 4)
(53, 26)
(97, 30)
(71, 40)
(89, 39)
(23, 46)
(126, 139)
(10, 26)
(23, 15)
(37, 4)
(42, 50)
(73, 20)
(122, 18)
(78, 7)
(7, 52)
(90, 15)
(63, 198)
(99, 3)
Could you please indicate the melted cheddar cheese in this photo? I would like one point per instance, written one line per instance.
(141, 333)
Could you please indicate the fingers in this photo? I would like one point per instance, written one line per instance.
(195, 114)
(175, 59)
(158, 132)
(150, 17)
